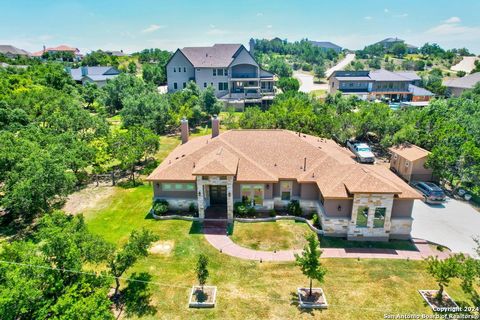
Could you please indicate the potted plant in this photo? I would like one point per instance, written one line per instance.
(309, 263)
(202, 296)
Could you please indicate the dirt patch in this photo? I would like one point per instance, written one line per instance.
(87, 198)
(162, 247)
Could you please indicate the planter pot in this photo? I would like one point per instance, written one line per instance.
(203, 299)
(447, 305)
(316, 301)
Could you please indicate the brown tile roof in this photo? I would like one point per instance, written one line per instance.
(60, 48)
(409, 151)
(271, 155)
(220, 162)
(219, 55)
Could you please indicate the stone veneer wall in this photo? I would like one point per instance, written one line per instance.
(371, 201)
(332, 226)
(203, 196)
(401, 228)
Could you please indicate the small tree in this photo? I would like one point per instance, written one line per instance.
(135, 248)
(309, 261)
(443, 271)
(202, 271)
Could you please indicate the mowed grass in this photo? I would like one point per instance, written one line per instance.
(269, 236)
(365, 289)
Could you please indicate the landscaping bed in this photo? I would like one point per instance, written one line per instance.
(334, 242)
(203, 298)
(446, 305)
(314, 301)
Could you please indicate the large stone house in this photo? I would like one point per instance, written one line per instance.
(236, 77)
(269, 168)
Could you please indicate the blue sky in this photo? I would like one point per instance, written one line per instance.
(134, 25)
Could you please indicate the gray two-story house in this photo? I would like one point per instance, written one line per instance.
(229, 68)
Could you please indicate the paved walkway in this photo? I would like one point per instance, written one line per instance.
(467, 64)
(216, 236)
(341, 65)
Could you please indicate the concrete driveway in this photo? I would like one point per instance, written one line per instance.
(306, 82)
(467, 64)
(453, 224)
(341, 65)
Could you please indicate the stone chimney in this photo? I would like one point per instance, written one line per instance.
(84, 71)
(215, 126)
(184, 130)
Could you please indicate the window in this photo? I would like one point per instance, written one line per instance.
(178, 186)
(167, 186)
(252, 193)
(175, 86)
(226, 72)
(174, 69)
(333, 84)
(225, 86)
(379, 218)
(204, 84)
(184, 85)
(220, 86)
(362, 217)
(286, 190)
(179, 69)
(407, 163)
(184, 69)
(214, 72)
(211, 83)
(220, 72)
(204, 177)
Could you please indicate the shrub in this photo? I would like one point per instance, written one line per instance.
(307, 67)
(461, 73)
(192, 209)
(316, 220)
(240, 209)
(293, 208)
(160, 207)
(272, 213)
(251, 211)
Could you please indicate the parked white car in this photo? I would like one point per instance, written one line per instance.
(362, 151)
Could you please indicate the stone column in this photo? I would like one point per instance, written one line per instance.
(230, 198)
(200, 199)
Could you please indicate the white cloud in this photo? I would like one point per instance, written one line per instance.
(269, 26)
(403, 15)
(368, 18)
(260, 14)
(454, 29)
(453, 20)
(386, 10)
(152, 28)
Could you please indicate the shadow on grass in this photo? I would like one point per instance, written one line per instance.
(128, 184)
(334, 242)
(136, 296)
(294, 302)
(149, 216)
(196, 228)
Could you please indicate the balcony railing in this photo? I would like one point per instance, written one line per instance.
(236, 75)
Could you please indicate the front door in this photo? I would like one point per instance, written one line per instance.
(218, 195)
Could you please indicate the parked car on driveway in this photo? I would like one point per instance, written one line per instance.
(431, 192)
(362, 151)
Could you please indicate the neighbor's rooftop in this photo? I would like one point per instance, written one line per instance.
(268, 156)
(409, 151)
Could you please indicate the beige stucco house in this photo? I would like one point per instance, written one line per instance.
(408, 161)
(269, 168)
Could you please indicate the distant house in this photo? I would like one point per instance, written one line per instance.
(97, 75)
(116, 53)
(388, 43)
(326, 45)
(12, 52)
(380, 85)
(62, 48)
(456, 87)
(230, 69)
(408, 161)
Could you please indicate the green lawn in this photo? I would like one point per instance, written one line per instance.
(364, 289)
(269, 236)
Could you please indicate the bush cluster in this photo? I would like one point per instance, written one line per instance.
(294, 209)
(160, 207)
(244, 210)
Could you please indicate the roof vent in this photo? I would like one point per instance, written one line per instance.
(313, 174)
(275, 164)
